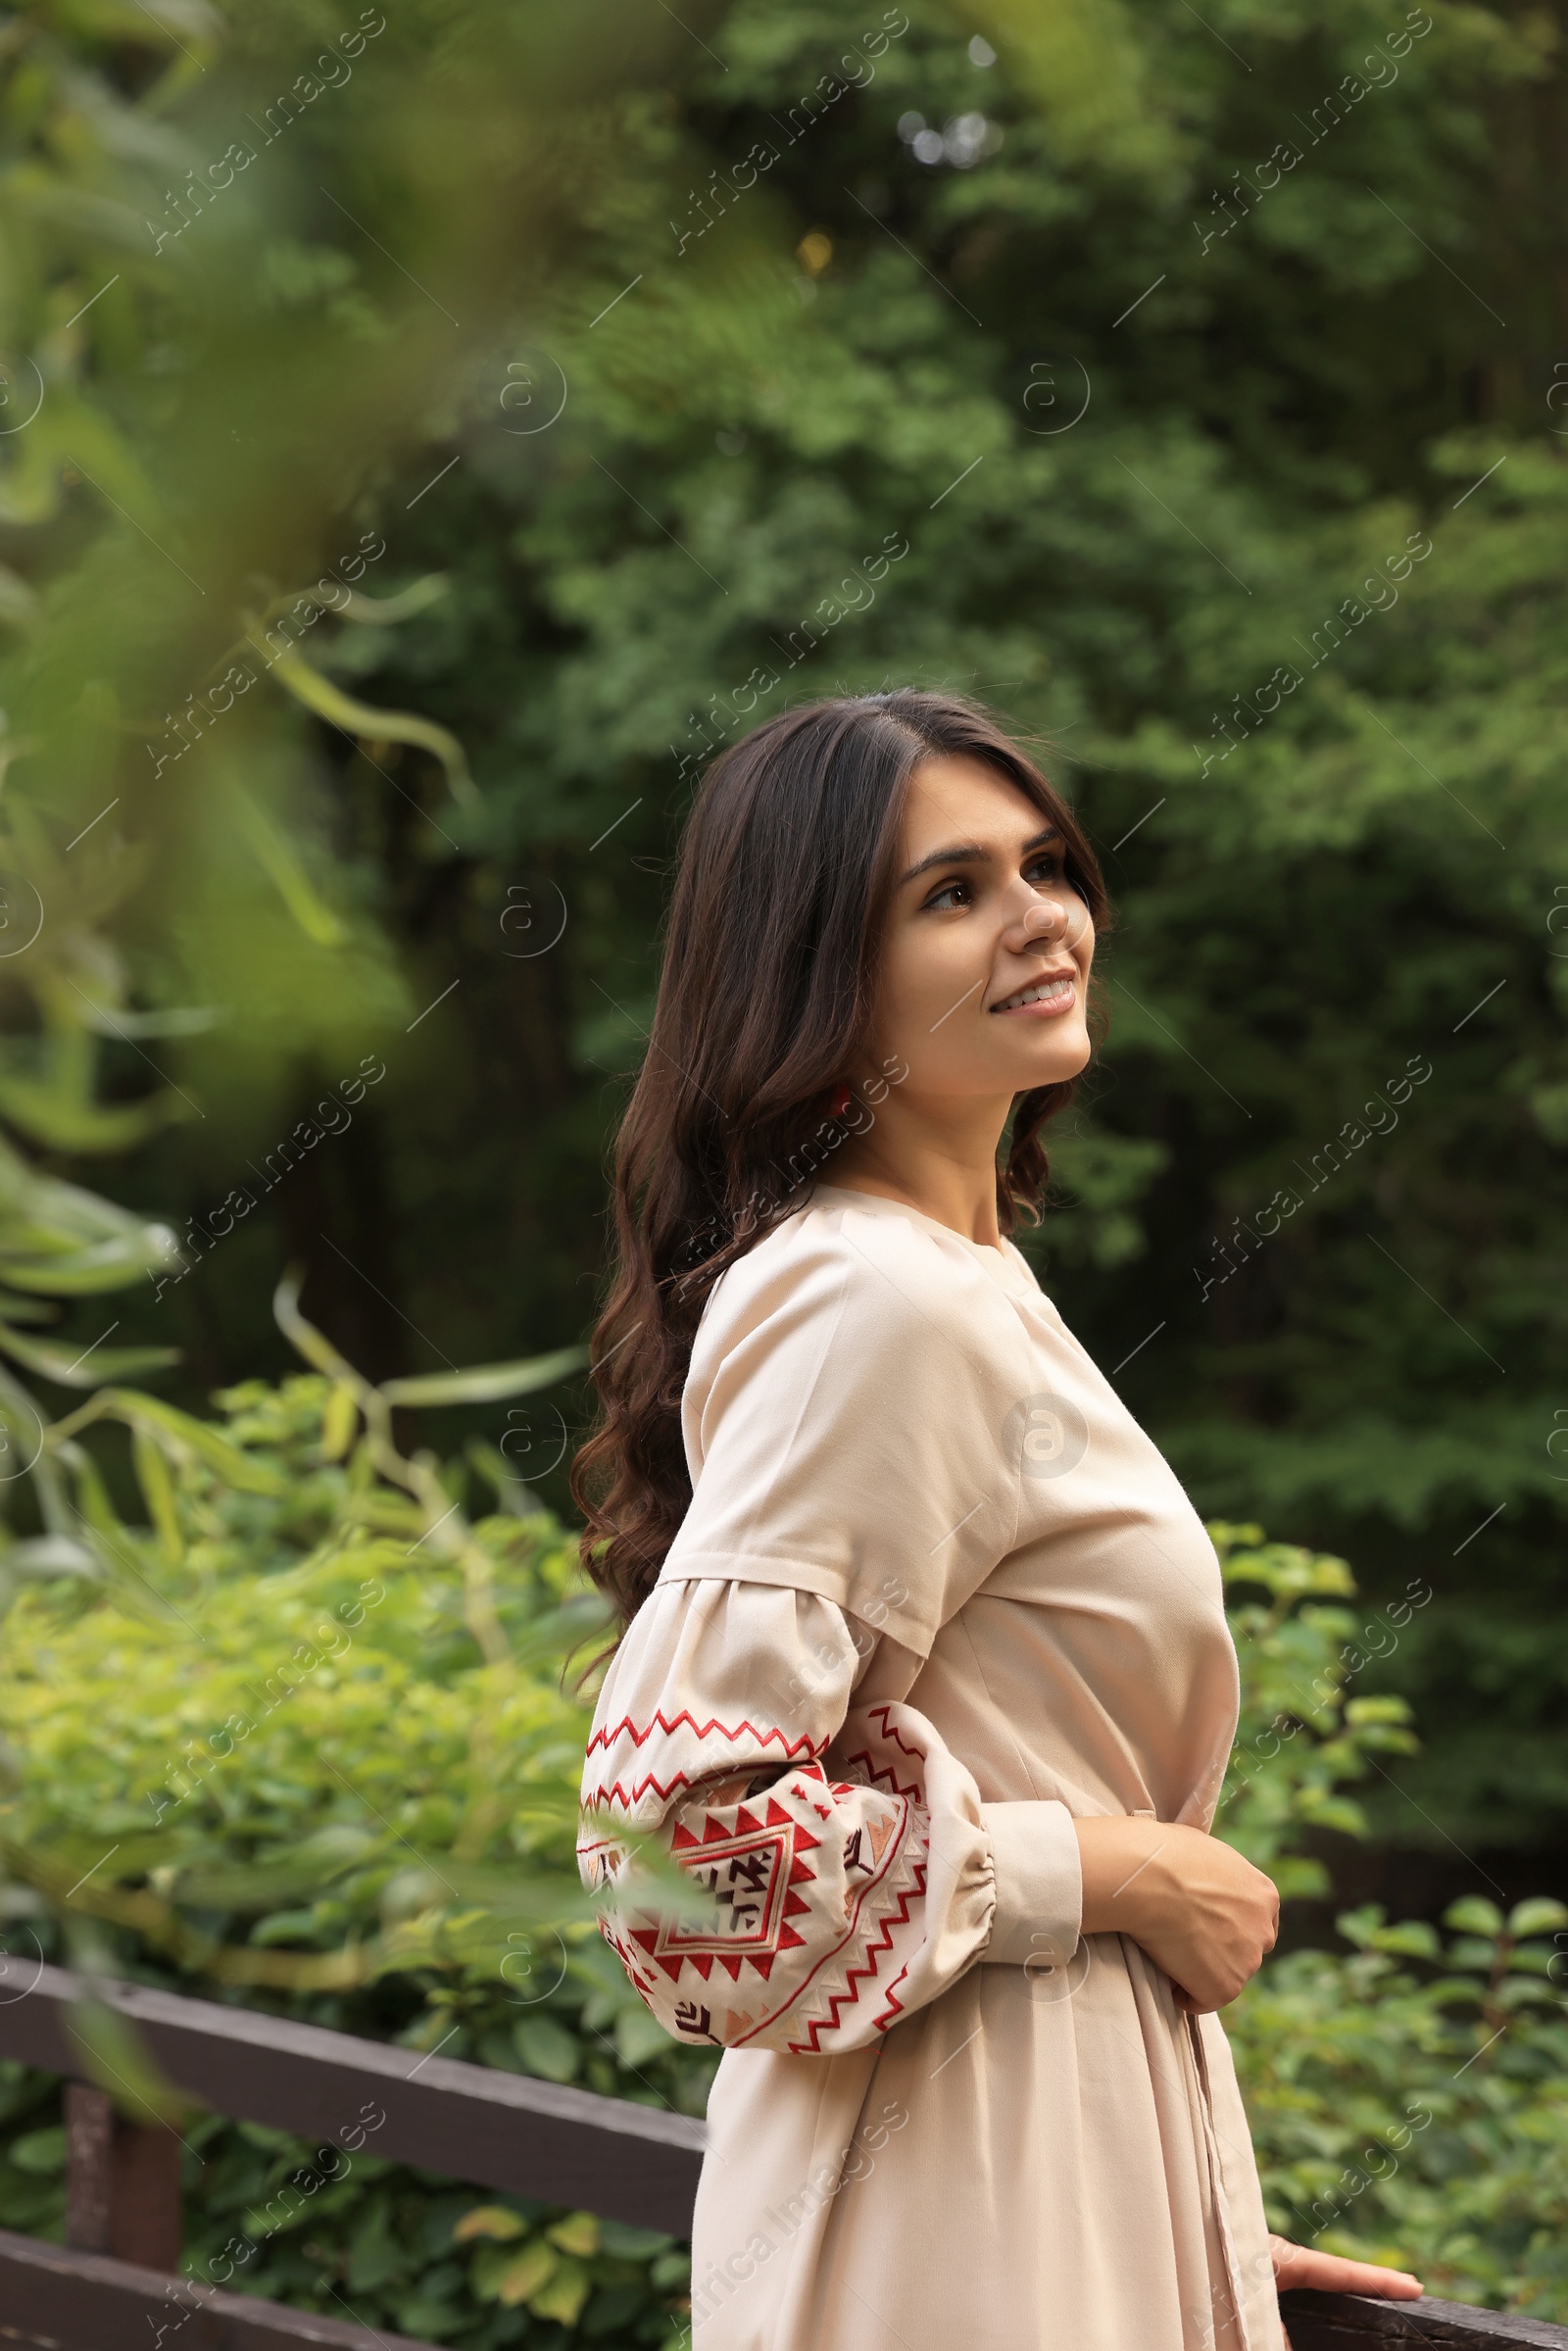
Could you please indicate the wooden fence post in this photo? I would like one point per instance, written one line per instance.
(89, 2156)
(122, 2182)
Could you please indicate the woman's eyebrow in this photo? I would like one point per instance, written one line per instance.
(971, 853)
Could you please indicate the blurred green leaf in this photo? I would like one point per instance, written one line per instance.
(1539, 1916)
(1474, 1915)
(374, 725)
(487, 1381)
(84, 1369)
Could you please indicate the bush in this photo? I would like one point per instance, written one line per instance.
(1408, 2099)
(310, 1727)
(303, 1739)
(1409, 2102)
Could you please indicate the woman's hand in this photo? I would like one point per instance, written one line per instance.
(1327, 2274)
(1203, 1914)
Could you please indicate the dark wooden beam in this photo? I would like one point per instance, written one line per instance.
(473, 2121)
(63, 2300)
(1352, 2323)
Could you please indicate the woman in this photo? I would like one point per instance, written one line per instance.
(926, 1685)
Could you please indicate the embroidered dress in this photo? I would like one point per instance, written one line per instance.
(936, 1594)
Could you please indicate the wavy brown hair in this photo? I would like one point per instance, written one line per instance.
(781, 896)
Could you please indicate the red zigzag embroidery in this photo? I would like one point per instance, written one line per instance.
(848, 1998)
(664, 1789)
(914, 1793)
(792, 1746)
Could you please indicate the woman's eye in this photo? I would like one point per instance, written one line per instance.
(950, 894)
(1046, 869)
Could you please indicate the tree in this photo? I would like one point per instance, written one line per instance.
(1184, 388)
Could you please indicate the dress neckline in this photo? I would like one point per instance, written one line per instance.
(1003, 1255)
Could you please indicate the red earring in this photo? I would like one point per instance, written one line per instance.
(840, 1102)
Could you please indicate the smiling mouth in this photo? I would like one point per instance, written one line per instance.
(1053, 991)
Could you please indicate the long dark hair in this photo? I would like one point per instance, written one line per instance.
(764, 1000)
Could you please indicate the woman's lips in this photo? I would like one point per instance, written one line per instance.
(1046, 999)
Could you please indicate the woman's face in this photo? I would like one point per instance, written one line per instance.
(985, 965)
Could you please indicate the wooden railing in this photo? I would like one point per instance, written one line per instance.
(1347, 2322)
(114, 2286)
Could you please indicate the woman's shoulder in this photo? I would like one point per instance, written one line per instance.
(882, 1274)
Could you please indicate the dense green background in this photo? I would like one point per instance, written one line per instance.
(1294, 370)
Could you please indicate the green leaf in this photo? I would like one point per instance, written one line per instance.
(516, 2277)
(563, 2296)
(372, 725)
(283, 1927)
(639, 2035)
(1360, 1924)
(625, 2244)
(339, 1421)
(578, 2234)
(487, 1381)
(70, 1272)
(1472, 1914)
(157, 1493)
(49, 1555)
(42, 2151)
(15, 1307)
(288, 1871)
(277, 860)
(384, 612)
(1413, 1938)
(73, 1368)
(487, 2220)
(118, 2060)
(425, 2318)
(63, 1123)
(374, 2256)
(547, 2048)
(237, 1469)
(1373, 1710)
(1539, 1916)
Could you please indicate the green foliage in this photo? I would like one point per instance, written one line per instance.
(240, 1675)
(509, 301)
(1303, 1740)
(1409, 2102)
(311, 1745)
(336, 2232)
(316, 1733)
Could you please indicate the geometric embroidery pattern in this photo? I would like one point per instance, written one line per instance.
(812, 1891)
(751, 1872)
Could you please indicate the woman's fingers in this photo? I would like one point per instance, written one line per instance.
(1329, 2274)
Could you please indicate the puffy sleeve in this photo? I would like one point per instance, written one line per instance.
(847, 1430)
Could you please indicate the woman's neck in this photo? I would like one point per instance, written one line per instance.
(938, 1158)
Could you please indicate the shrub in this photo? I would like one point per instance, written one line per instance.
(303, 1739)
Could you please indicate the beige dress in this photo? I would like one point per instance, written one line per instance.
(937, 1593)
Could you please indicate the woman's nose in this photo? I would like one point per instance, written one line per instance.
(1042, 922)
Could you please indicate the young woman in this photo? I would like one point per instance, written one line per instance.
(926, 1685)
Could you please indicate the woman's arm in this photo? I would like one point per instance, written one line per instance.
(826, 1902)
(1203, 1914)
